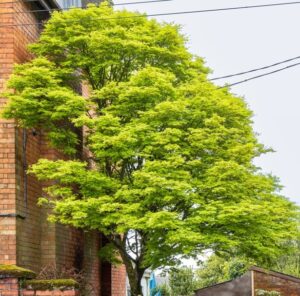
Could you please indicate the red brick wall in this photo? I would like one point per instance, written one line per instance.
(59, 243)
(113, 280)
(92, 243)
(7, 143)
(9, 287)
(50, 293)
(29, 228)
(118, 280)
(271, 282)
(12, 50)
(30, 240)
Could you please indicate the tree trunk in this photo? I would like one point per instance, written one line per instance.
(134, 271)
(135, 280)
(135, 275)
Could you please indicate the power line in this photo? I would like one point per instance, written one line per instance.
(115, 4)
(256, 69)
(79, 7)
(259, 76)
(172, 13)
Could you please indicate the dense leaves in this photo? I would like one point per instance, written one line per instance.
(216, 270)
(170, 170)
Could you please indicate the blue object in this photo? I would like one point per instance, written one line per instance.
(152, 285)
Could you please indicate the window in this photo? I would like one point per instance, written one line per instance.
(69, 3)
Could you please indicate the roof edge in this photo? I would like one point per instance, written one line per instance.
(275, 273)
(222, 283)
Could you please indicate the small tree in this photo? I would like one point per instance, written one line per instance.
(289, 263)
(218, 269)
(170, 168)
(182, 282)
(162, 290)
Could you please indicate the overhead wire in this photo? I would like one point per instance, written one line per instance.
(171, 13)
(196, 11)
(255, 70)
(259, 76)
(114, 4)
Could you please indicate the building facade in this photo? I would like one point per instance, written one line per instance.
(27, 239)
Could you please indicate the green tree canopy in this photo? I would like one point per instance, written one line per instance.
(171, 167)
(182, 282)
(218, 269)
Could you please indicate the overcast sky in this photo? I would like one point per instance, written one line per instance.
(235, 41)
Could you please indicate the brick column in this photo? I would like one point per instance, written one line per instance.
(113, 280)
(20, 243)
(118, 280)
(7, 143)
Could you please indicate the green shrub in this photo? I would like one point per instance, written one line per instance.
(60, 284)
(16, 271)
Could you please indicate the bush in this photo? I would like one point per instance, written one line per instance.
(60, 284)
(164, 290)
(15, 271)
(51, 272)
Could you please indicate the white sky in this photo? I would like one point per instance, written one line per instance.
(235, 41)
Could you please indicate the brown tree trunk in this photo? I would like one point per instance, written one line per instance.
(134, 271)
(135, 285)
(135, 275)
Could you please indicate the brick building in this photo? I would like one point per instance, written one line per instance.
(27, 239)
(254, 280)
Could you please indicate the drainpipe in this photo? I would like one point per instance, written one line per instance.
(25, 183)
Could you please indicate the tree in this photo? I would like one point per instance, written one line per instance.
(161, 290)
(217, 269)
(170, 170)
(182, 282)
(289, 263)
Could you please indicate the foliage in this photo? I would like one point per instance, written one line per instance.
(164, 290)
(220, 269)
(60, 284)
(213, 271)
(289, 263)
(182, 282)
(171, 168)
(7, 270)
